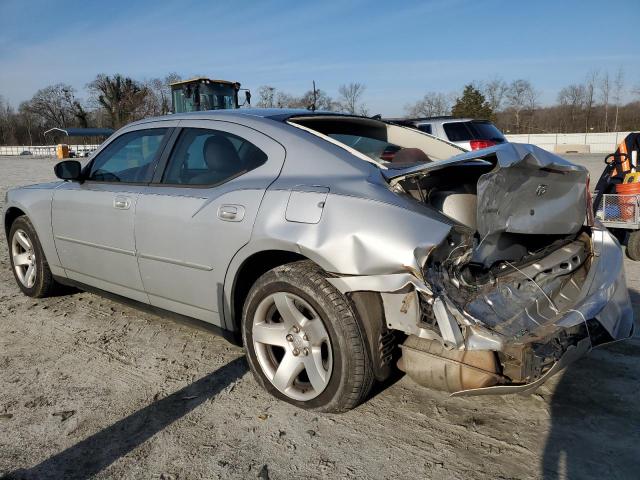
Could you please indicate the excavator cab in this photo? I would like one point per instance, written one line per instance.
(198, 94)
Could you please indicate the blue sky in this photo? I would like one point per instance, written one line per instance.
(399, 49)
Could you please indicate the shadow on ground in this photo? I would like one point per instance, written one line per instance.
(595, 422)
(92, 455)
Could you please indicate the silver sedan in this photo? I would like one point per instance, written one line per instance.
(335, 248)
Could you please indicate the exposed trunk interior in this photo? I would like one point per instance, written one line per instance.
(513, 214)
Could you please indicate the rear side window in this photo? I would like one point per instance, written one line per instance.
(485, 131)
(129, 158)
(457, 132)
(426, 128)
(465, 131)
(210, 157)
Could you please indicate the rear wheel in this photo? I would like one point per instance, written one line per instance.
(633, 245)
(30, 267)
(303, 341)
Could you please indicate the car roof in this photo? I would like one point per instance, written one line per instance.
(277, 114)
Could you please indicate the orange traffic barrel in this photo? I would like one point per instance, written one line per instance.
(629, 199)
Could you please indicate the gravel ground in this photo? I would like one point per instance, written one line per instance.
(93, 388)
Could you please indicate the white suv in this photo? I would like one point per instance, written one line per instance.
(467, 133)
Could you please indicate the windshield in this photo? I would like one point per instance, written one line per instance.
(215, 96)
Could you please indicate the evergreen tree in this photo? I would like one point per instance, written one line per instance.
(472, 104)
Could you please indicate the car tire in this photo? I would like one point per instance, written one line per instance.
(318, 336)
(24, 247)
(633, 245)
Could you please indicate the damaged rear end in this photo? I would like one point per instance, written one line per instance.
(523, 284)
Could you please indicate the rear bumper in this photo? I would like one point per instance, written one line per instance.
(607, 296)
(601, 314)
(606, 302)
(573, 353)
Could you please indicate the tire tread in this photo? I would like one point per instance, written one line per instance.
(361, 377)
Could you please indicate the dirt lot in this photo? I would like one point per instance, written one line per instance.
(89, 387)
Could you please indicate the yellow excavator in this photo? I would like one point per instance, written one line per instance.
(200, 93)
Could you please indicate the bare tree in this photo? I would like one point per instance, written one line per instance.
(494, 91)
(604, 86)
(28, 119)
(56, 105)
(618, 90)
(7, 122)
(431, 105)
(320, 101)
(520, 96)
(266, 97)
(590, 88)
(350, 95)
(572, 99)
(285, 100)
(270, 97)
(158, 100)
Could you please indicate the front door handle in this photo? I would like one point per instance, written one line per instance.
(231, 213)
(121, 203)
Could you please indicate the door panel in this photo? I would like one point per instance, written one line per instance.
(186, 235)
(93, 230)
(184, 247)
(93, 222)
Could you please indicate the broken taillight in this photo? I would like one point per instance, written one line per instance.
(480, 144)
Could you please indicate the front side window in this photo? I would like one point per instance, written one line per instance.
(210, 157)
(129, 158)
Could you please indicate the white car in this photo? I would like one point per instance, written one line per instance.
(467, 133)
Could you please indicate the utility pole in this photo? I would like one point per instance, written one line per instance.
(315, 97)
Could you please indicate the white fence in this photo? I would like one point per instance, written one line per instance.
(592, 142)
(44, 150)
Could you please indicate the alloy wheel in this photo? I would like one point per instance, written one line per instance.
(24, 258)
(292, 346)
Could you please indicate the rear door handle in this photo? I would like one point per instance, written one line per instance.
(122, 203)
(231, 213)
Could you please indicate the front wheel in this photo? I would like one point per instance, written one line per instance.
(30, 267)
(303, 341)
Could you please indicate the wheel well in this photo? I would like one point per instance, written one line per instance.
(9, 217)
(253, 268)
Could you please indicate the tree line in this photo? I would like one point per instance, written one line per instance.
(349, 99)
(596, 104)
(113, 101)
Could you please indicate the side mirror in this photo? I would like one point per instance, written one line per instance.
(247, 97)
(68, 170)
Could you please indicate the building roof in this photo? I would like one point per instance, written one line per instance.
(82, 132)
